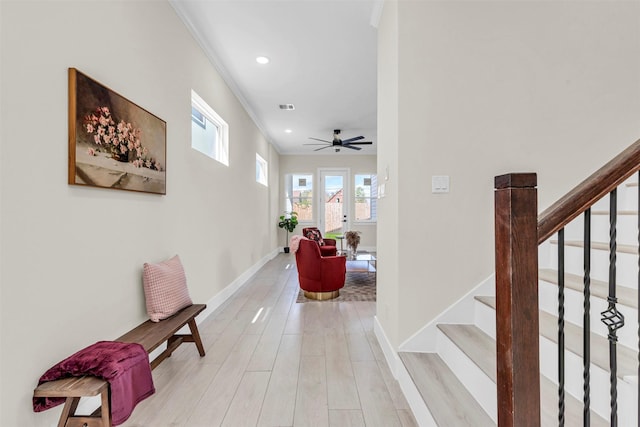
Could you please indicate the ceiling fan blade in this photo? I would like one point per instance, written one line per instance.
(359, 143)
(353, 148)
(323, 140)
(355, 138)
(314, 144)
(322, 148)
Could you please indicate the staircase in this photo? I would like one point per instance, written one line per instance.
(452, 381)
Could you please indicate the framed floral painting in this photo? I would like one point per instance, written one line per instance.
(113, 143)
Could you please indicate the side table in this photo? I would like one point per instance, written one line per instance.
(341, 238)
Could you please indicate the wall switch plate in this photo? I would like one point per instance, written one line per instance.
(440, 184)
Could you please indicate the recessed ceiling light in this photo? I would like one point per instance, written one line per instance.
(288, 131)
(262, 60)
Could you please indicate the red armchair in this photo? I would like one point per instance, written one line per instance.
(320, 277)
(327, 246)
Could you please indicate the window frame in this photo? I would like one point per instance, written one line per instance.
(221, 146)
(262, 171)
(373, 197)
(288, 199)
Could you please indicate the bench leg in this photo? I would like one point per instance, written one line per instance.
(196, 336)
(105, 409)
(69, 409)
(100, 418)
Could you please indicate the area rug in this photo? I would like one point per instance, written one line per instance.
(357, 287)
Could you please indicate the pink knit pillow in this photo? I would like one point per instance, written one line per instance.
(165, 288)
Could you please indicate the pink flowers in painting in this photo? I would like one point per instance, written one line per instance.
(120, 139)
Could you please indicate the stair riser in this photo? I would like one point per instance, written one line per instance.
(573, 311)
(628, 197)
(626, 265)
(599, 384)
(627, 335)
(481, 387)
(485, 318)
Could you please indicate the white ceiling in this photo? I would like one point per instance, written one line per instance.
(323, 60)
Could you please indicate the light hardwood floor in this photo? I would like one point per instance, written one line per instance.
(273, 362)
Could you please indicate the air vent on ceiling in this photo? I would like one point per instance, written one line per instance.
(287, 107)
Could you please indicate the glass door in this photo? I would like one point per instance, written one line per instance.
(334, 202)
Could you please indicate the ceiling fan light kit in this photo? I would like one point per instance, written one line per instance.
(338, 143)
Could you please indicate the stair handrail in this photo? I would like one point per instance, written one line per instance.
(588, 192)
(518, 232)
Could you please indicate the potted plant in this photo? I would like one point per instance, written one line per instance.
(288, 221)
(353, 240)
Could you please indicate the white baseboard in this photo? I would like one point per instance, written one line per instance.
(222, 296)
(89, 404)
(390, 354)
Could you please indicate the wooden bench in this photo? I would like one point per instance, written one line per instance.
(148, 334)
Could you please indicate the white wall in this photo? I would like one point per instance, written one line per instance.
(71, 256)
(387, 308)
(311, 164)
(486, 88)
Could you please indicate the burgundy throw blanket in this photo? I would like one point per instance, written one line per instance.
(124, 365)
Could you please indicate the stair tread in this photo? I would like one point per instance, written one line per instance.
(487, 300)
(599, 288)
(622, 212)
(481, 349)
(627, 358)
(477, 345)
(573, 407)
(449, 402)
(601, 246)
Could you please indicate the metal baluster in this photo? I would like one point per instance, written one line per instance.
(611, 316)
(638, 215)
(586, 321)
(561, 328)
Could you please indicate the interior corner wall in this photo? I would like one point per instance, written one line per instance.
(274, 192)
(2, 379)
(487, 88)
(387, 308)
(71, 256)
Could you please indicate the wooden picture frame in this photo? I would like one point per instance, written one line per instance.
(113, 142)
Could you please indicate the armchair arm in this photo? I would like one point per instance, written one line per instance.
(334, 269)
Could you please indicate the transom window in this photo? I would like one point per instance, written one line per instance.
(261, 171)
(209, 132)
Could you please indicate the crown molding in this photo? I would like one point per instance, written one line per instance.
(217, 64)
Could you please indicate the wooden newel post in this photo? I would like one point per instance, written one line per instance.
(517, 339)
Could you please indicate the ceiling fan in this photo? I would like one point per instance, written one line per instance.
(338, 143)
